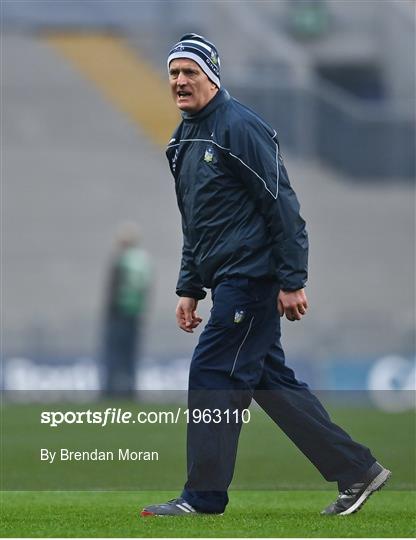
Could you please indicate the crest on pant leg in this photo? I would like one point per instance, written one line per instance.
(239, 316)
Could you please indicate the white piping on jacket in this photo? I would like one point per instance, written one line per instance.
(241, 161)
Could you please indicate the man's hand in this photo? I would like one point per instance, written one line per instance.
(186, 315)
(293, 304)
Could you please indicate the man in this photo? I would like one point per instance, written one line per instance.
(243, 238)
(126, 299)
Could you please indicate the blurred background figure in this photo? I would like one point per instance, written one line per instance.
(125, 311)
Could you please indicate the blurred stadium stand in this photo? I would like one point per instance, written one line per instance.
(363, 53)
(74, 167)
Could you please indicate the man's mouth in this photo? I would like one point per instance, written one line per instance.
(183, 94)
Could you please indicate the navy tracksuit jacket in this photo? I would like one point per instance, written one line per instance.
(243, 238)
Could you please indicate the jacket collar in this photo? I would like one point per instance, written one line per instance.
(222, 96)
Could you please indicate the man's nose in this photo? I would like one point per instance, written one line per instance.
(181, 79)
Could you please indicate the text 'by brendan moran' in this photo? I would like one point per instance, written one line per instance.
(121, 454)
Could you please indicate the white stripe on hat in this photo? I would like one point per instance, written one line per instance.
(207, 47)
(196, 49)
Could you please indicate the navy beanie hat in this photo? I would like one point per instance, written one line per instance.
(201, 51)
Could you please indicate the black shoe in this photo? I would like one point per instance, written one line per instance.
(353, 498)
(174, 507)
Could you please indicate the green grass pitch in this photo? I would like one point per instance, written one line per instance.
(276, 492)
(250, 514)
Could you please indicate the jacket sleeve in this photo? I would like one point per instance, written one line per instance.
(255, 158)
(189, 282)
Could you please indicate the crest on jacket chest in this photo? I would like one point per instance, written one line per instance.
(209, 154)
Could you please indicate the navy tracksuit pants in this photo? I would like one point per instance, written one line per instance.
(238, 358)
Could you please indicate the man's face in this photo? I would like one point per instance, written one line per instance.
(191, 89)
